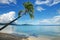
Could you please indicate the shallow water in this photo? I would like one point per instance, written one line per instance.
(39, 30)
(36, 32)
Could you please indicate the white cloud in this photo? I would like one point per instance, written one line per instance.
(52, 21)
(52, 30)
(40, 8)
(56, 19)
(38, 2)
(47, 2)
(55, 2)
(5, 18)
(7, 1)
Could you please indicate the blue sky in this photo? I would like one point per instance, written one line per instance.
(45, 11)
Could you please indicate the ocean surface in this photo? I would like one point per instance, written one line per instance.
(35, 32)
(38, 30)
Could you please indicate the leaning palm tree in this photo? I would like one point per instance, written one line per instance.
(29, 9)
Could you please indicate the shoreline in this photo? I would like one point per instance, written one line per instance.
(6, 36)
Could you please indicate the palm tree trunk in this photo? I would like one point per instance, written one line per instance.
(9, 23)
(12, 21)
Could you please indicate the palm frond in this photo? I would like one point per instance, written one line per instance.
(31, 15)
(30, 8)
(19, 14)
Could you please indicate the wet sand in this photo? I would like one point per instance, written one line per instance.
(4, 36)
(43, 38)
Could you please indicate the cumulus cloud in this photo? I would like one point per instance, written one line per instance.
(52, 30)
(38, 2)
(52, 21)
(47, 2)
(5, 18)
(40, 8)
(7, 1)
(55, 2)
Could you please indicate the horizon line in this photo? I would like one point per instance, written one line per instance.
(27, 24)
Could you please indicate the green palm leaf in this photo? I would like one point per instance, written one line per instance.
(31, 16)
(30, 9)
(19, 14)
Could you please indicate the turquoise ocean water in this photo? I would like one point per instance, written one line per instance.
(38, 30)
